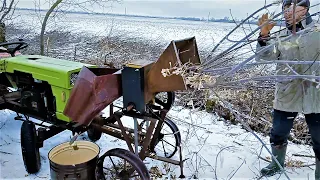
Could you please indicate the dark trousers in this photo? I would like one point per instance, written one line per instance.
(283, 123)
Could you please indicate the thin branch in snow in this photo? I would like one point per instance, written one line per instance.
(5, 152)
(303, 155)
(215, 168)
(255, 135)
(237, 169)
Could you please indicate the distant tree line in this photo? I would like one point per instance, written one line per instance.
(224, 20)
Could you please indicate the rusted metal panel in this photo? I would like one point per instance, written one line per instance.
(93, 91)
(176, 54)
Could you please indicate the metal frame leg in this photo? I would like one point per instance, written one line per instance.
(136, 138)
(181, 164)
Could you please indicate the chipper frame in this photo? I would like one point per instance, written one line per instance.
(95, 88)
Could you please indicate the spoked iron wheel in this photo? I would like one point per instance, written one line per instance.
(121, 164)
(169, 139)
(165, 99)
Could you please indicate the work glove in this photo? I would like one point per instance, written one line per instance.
(265, 29)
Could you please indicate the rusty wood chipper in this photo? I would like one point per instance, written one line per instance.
(70, 95)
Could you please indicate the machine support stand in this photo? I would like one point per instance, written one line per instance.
(136, 143)
(182, 176)
(154, 140)
(111, 109)
(147, 139)
(124, 133)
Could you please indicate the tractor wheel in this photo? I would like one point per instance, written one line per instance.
(30, 150)
(94, 134)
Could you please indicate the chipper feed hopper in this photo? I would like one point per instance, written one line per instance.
(71, 96)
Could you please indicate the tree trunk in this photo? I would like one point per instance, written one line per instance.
(44, 25)
(2, 33)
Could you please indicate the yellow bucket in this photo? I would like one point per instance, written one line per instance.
(69, 162)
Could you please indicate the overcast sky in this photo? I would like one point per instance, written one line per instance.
(175, 8)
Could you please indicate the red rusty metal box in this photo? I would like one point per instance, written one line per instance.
(93, 91)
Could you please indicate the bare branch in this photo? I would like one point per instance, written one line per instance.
(7, 11)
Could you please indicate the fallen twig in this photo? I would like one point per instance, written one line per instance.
(302, 155)
(307, 165)
(215, 168)
(5, 152)
(237, 143)
(238, 169)
(264, 159)
(255, 135)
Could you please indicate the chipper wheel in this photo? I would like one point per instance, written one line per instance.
(121, 164)
(29, 147)
(169, 139)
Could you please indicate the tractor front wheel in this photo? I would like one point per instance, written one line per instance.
(29, 147)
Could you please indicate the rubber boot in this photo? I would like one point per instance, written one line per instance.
(317, 174)
(280, 153)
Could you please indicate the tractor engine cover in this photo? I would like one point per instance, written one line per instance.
(33, 100)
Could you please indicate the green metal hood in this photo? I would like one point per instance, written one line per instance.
(55, 71)
(47, 63)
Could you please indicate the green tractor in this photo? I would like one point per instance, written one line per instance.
(38, 87)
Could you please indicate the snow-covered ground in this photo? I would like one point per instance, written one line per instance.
(153, 30)
(212, 149)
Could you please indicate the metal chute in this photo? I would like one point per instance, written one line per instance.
(93, 91)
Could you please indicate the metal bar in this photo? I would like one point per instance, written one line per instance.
(181, 163)
(21, 119)
(158, 129)
(134, 114)
(14, 103)
(147, 139)
(44, 134)
(111, 109)
(107, 130)
(124, 134)
(117, 106)
(171, 161)
(126, 128)
(136, 136)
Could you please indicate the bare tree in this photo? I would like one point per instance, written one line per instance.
(6, 11)
(45, 23)
(67, 4)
